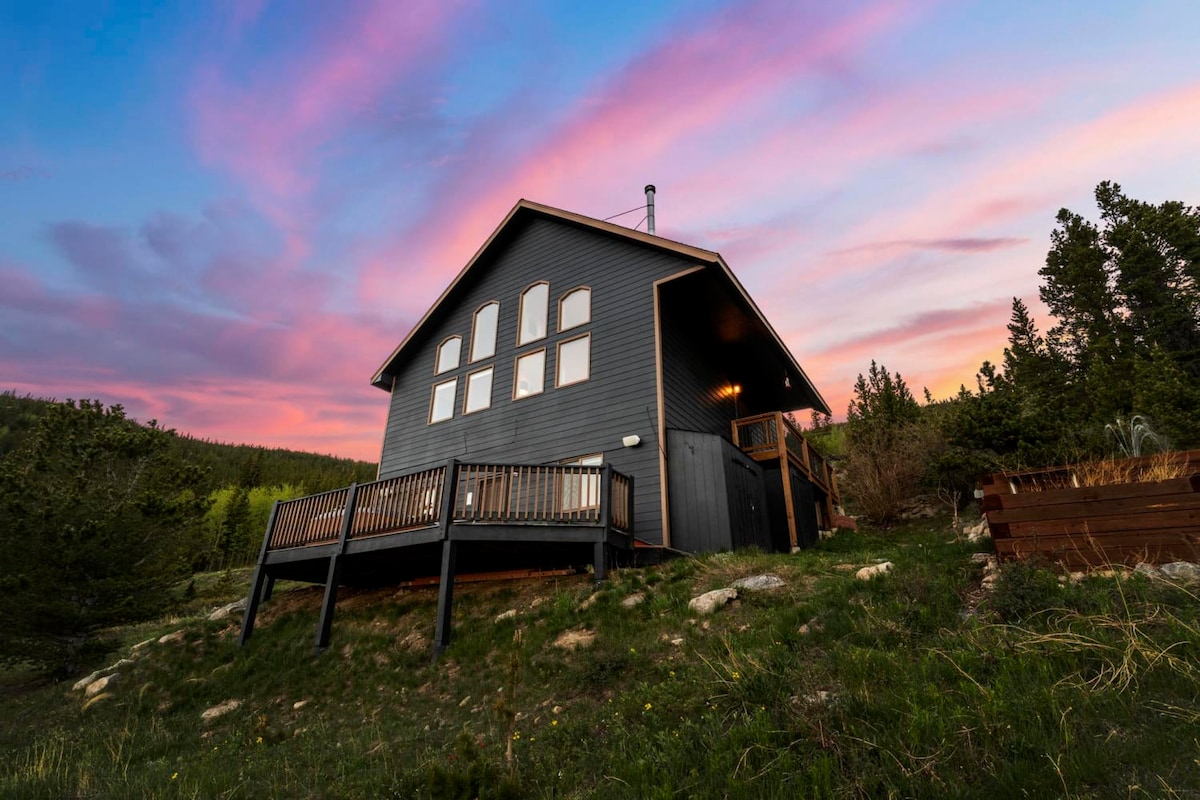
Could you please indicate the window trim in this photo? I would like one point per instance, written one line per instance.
(558, 361)
(517, 373)
(437, 357)
(467, 389)
(567, 294)
(429, 420)
(472, 358)
(521, 314)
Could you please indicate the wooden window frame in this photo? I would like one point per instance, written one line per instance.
(467, 389)
(562, 299)
(471, 357)
(521, 315)
(558, 361)
(437, 357)
(517, 373)
(433, 395)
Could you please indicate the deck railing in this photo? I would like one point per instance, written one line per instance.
(504, 494)
(763, 433)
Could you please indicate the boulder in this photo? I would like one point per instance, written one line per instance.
(1149, 570)
(758, 583)
(220, 709)
(1181, 571)
(867, 573)
(510, 614)
(711, 601)
(174, 636)
(635, 599)
(226, 610)
(99, 685)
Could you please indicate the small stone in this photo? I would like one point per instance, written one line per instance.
(759, 583)
(137, 648)
(225, 610)
(982, 558)
(299, 704)
(573, 640)
(463, 703)
(99, 685)
(867, 573)
(174, 636)
(510, 614)
(677, 641)
(220, 709)
(711, 601)
(635, 599)
(557, 709)
(590, 601)
(1181, 571)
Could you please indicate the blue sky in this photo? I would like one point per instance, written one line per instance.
(224, 216)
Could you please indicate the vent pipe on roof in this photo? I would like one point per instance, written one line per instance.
(650, 208)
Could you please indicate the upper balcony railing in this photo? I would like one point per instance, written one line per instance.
(762, 434)
(482, 494)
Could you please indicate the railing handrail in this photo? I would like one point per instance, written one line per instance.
(320, 518)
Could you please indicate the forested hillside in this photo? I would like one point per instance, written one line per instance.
(101, 515)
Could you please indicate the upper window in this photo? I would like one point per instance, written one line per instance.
(575, 308)
(441, 407)
(531, 374)
(483, 333)
(448, 353)
(479, 391)
(574, 360)
(534, 302)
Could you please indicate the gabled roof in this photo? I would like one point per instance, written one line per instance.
(525, 209)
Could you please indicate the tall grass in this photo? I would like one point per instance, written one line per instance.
(911, 685)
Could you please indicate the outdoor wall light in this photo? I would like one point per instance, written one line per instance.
(632, 440)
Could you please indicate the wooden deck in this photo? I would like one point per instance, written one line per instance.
(412, 527)
(772, 437)
(1052, 513)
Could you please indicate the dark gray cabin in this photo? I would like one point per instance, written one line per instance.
(580, 391)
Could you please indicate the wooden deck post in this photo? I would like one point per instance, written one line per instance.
(262, 585)
(325, 624)
(600, 554)
(785, 475)
(445, 609)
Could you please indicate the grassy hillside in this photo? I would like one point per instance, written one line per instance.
(914, 684)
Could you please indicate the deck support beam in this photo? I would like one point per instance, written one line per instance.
(325, 625)
(264, 583)
(445, 607)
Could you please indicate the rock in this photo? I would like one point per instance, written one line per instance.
(140, 646)
(977, 532)
(635, 599)
(1149, 570)
(510, 614)
(867, 573)
(299, 704)
(99, 685)
(82, 683)
(573, 640)
(226, 610)
(1181, 571)
(220, 709)
(711, 601)
(758, 583)
(589, 601)
(677, 641)
(174, 636)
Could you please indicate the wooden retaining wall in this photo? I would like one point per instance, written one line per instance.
(1094, 526)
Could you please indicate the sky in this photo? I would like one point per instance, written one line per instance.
(224, 216)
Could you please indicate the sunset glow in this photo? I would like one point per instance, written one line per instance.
(226, 216)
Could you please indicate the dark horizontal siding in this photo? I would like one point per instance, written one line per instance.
(590, 417)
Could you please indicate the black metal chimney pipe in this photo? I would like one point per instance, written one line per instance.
(650, 208)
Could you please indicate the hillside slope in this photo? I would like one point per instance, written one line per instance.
(912, 684)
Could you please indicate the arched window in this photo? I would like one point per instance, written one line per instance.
(534, 303)
(575, 308)
(483, 332)
(448, 354)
